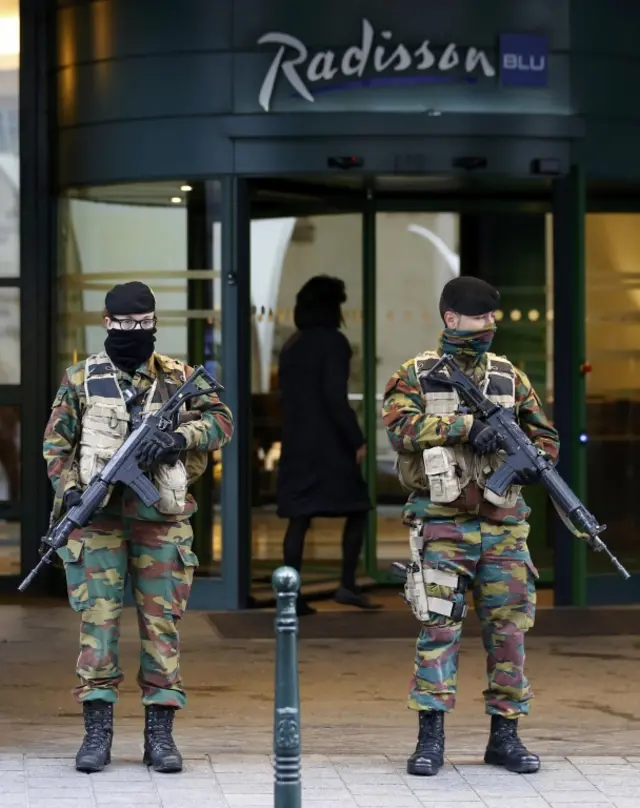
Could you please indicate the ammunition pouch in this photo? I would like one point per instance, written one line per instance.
(441, 471)
(171, 483)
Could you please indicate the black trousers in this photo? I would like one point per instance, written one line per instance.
(352, 540)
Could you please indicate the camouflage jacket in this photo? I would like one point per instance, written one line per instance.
(410, 430)
(212, 431)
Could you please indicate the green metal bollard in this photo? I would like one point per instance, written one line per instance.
(286, 727)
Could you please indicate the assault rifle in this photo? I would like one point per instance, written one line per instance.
(123, 466)
(519, 454)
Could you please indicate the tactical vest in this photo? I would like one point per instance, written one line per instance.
(443, 472)
(106, 425)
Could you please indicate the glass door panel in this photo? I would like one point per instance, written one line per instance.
(513, 250)
(416, 254)
(612, 244)
(286, 252)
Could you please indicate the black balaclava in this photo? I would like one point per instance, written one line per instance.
(129, 349)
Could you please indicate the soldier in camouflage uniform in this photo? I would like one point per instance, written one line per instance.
(88, 423)
(469, 537)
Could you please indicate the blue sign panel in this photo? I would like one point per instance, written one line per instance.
(523, 60)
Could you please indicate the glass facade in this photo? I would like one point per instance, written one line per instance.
(202, 246)
(171, 234)
(10, 413)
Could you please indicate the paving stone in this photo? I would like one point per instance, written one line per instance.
(13, 800)
(507, 802)
(357, 734)
(430, 804)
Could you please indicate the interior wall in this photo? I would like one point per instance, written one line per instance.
(613, 305)
(416, 253)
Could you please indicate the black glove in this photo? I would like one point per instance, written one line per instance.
(528, 476)
(483, 438)
(71, 498)
(162, 447)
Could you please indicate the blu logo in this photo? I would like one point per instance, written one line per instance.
(516, 61)
(523, 60)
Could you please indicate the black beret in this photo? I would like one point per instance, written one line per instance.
(469, 296)
(130, 298)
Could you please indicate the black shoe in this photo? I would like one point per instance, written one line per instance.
(507, 750)
(428, 758)
(95, 751)
(160, 750)
(303, 609)
(352, 597)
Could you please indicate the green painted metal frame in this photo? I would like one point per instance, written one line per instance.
(369, 324)
(569, 208)
(578, 379)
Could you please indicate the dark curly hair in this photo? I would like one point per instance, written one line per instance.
(318, 303)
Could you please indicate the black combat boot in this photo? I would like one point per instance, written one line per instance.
(428, 758)
(160, 750)
(506, 749)
(95, 752)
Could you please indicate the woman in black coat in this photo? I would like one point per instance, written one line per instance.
(322, 444)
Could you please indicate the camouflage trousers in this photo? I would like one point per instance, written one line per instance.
(496, 559)
(159, 559)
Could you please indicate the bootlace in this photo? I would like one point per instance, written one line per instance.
(95, 742)
(160, 726)
(430, 736)
(98, 730)
(508, 735)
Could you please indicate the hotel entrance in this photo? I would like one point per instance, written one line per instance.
(394, 241)
(226, 258)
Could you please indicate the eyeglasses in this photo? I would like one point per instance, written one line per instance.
(129, 324)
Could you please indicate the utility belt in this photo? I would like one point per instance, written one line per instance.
(418, 577)
(443, 473)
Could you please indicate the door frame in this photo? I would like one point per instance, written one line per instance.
(320, 200)
(232, 589)
(566, 200)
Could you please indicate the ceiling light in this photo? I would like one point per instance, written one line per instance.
(186, 188)
(176, 200)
